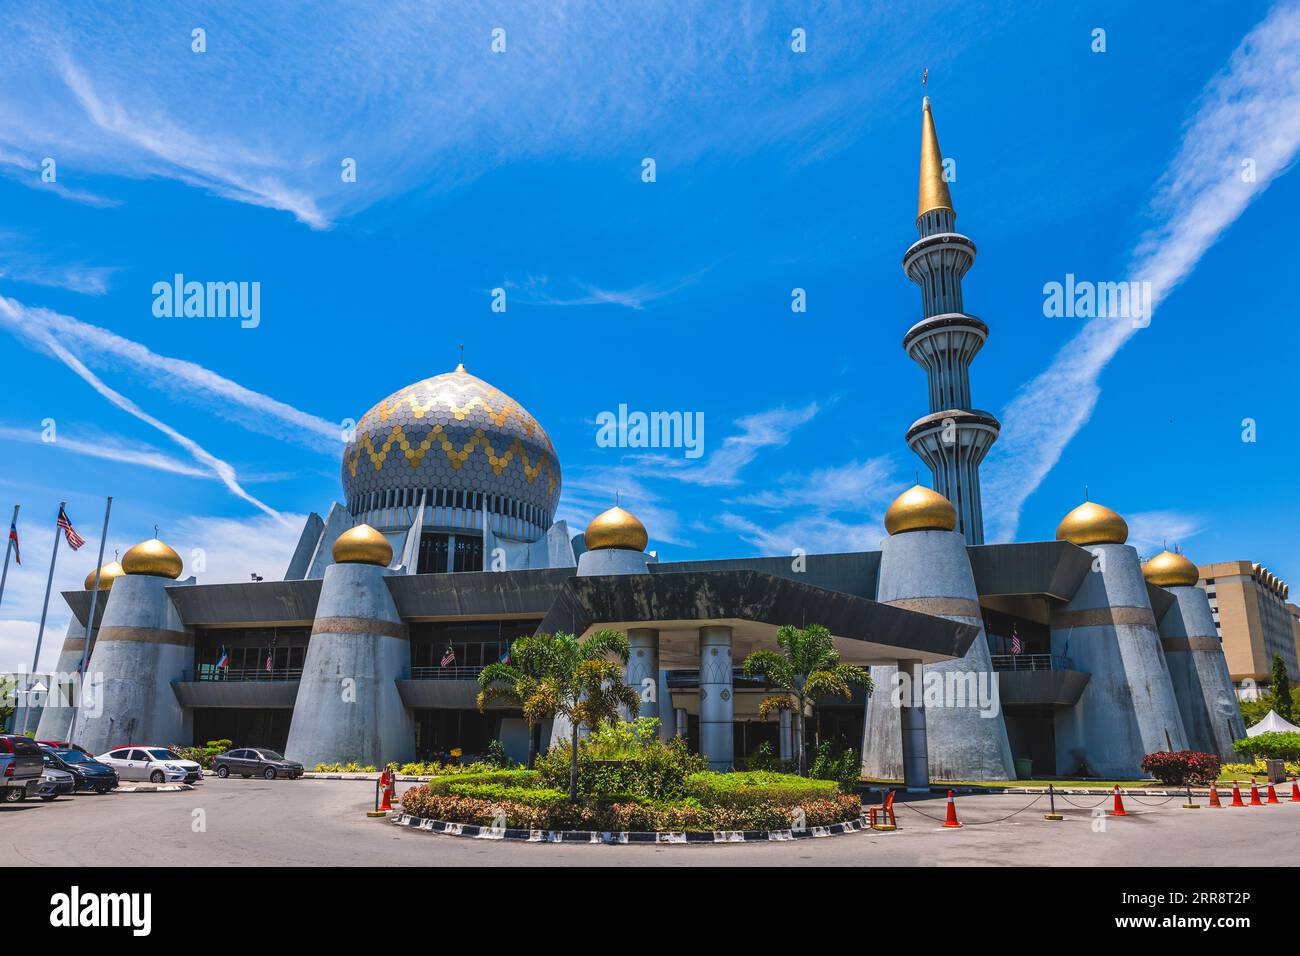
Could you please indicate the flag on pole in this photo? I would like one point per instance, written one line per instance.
(1016, 645)
(449, 658)
(223, 659)
(505, 657)
(13, 536)
(75, 541)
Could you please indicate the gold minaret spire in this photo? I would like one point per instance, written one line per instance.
(934, 189)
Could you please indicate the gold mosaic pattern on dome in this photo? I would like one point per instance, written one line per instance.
(414, 454)
(499, 416)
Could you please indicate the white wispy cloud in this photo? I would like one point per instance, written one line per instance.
(811, 534)
(180, 378)
(589, 491)
(539, 290)
(1153, 531)
(769, 429)
(857, 486)
(1250, 112)
(27, 171)
(15, 314)
(109, 448)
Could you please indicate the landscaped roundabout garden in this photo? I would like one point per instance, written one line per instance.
(629, 780)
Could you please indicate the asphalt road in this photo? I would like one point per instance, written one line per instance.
(323, 823)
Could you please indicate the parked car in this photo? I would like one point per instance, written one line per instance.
(88, 772)
(65, 745)
(155, 764)
(20, 767)
(256, 761)
(55, 783)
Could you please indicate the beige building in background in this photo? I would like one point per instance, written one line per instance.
(1254, 621)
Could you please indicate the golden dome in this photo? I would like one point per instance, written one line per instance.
(920, 509)
(616, 528)
(1091, 523)
(362, 545)
(1170, 570)
(107, 574)
(152, 557)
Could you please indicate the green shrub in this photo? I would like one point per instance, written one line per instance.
(755, 787)
(496, 756)
(833, 760)
(1279, 746)
(1181, 767)
(202, 755)
(624, 760)
(764, 759)
(506, 778)
(533, 796)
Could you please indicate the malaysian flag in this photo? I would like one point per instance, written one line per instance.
(13, 536)
(75, 541)
(1016, 645)
(449, 659)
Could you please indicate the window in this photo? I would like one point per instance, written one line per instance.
(138, 755)
(120, 755)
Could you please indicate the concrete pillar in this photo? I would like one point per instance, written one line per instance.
(348, 706)
(716, 704)
(785, 736)
(681, 723)
(56, 716)
(141, 647)
(642, 671)
(914, 750)
(928, 570)
(1199, 672)
(1128, 708)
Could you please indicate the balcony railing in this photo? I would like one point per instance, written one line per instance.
(1032, 662)
(441, 673)
(243, 674)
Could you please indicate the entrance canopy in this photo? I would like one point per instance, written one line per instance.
(754, 605)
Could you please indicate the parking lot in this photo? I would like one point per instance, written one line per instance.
(323, 823)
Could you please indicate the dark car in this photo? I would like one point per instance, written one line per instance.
(20, 767)
(88, 772)
(256, 761)
(55, 783)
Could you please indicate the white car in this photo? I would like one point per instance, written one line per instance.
(155, 764)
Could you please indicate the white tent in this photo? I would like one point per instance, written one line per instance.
(1272, 723)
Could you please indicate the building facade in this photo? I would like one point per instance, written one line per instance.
(1254, 619)
(1060, 657)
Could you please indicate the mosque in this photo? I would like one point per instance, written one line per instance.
(1057, 657)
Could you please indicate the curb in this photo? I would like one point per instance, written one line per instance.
(478, 832)
(167, 788)
(372, 777)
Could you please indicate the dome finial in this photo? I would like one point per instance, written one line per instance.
(460, 366)
(933, 193)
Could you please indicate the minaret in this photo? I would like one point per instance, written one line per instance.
(954, 438)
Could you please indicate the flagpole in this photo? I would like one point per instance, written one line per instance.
(40, 633)
(90, 617)
(9, 546)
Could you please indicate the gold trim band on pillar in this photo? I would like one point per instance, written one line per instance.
(940, 606)
(147, 635)
(1104, 616)
(73, 644)
(357, 625)
(1198, 643)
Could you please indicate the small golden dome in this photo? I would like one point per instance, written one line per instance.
(362, 545)
(107, 574)
(1091, 523)
(1170, 570)
(152, 557)
(616, 528)
(920, 509)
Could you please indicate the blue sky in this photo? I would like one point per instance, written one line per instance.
(522, 170)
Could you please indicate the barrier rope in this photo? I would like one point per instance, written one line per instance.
(1080, 806)
(1147, 803)
(978, 823)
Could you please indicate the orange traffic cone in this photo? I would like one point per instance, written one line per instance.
(1119, 810)
(386, 805)
(1214, 796)
(1236, 795)
(952, 813)
(1295, 791)
(1272, 794)
(1254, 794)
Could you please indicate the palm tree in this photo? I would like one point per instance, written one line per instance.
(560, 676)
(517, 682)
(807, 667)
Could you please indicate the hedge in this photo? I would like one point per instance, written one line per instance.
(1280, 746)
(746, 789)
(505, 778)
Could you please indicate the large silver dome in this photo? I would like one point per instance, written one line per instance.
(467, 445)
